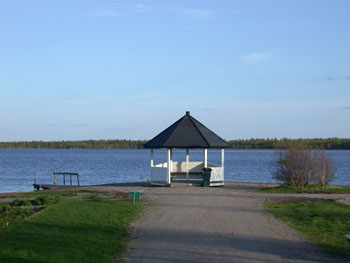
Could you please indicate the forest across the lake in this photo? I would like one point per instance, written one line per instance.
(274, 143)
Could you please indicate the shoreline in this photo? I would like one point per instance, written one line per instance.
(146, 184)
(128, 184)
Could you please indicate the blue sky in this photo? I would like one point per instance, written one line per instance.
(128, 69)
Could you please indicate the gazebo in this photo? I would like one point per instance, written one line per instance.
(186, 133)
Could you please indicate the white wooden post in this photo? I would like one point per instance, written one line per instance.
(187, 164)
(169, 166)
(152, 157)
(171, 160)
(205, 157)
(222, 157)
(222, 163)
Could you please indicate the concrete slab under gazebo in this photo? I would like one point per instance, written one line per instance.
(186, 133)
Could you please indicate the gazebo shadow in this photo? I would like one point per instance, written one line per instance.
(196, 247)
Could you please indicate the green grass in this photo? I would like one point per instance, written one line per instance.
(324, 222)
(10, 216)
(62, 192)
(70, 231)
(66, 192)
(285, 189)
(13, 211)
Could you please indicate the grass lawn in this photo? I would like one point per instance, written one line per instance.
(72, 230)
(328, 189)
(66, 192)
(63, 192)
(324, 222)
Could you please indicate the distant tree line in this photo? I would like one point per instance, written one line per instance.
(86, 144)
(327, 144)
(316, 143)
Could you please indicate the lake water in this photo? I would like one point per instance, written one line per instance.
(17, 167)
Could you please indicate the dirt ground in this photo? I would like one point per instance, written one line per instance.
(228, 224)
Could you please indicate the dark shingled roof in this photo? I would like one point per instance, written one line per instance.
(187, 132)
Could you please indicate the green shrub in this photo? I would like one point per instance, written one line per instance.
(9, 215)
(6, 208)
(41, 200)
(45, 200)
(18, 202)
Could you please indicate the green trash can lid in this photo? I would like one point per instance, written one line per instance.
(206, 169)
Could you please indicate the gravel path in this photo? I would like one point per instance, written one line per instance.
(194, 224)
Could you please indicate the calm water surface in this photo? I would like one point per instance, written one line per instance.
(17, 167)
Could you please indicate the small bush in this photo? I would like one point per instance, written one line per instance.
(6, 208)
(323, 168)
(18, 202)
(44, 200)
(10, 215)
(298, 165)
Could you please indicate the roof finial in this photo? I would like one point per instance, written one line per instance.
(187, 113)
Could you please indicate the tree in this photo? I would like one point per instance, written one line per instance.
(299, 165)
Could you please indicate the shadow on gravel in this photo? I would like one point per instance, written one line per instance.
(212, 207)
(187, 246)
(202, 194)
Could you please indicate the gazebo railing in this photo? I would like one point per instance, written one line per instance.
(159, 172)
(159, 175)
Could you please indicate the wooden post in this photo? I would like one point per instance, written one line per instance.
(70, 179)
(78, 179)
(169, 168)
(64, 179)
(54, 178)
(187, 165)
(171, 162)
(152, 157)
(222, 157)
(205, 157)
